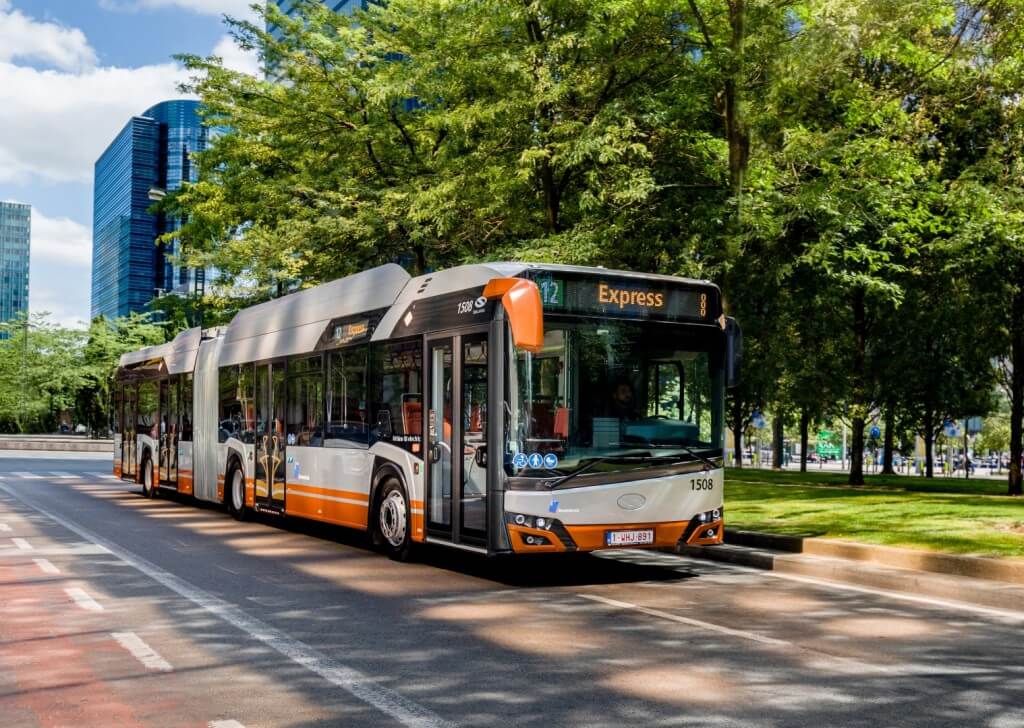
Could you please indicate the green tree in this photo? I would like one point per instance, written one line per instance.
(38, 373)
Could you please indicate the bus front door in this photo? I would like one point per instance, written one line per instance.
(270, 438)
(129, 441)
(455, 437)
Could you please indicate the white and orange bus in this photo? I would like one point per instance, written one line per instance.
(498, 408)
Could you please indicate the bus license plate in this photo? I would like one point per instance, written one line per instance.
(642, 537)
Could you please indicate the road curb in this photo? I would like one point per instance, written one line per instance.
(55, 444)
(976, 567)
(948, 587)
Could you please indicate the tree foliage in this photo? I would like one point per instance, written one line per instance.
(849, 170)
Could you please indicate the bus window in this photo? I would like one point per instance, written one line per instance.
(664, 385)
(186, 408)
(230, 412)
(397, 371)
(305, 402)
(347, 411)
(149, 405)
(604, 388)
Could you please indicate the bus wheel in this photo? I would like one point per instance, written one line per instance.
(236, 493)
(148, 490)
(392, 527)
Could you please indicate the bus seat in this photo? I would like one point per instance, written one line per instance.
(476, 419)
(412, 418)
(561, 428)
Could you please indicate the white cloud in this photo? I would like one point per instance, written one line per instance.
(60, 240)
(64, 293)
(47, 43)
(60, 269)
(236, 58)
(57, 124)
(235, 8)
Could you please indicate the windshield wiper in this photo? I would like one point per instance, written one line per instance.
(708, 464)
(592, 462)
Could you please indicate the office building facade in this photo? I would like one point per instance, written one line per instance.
(345, 7)
(151, 155)
(15, 244)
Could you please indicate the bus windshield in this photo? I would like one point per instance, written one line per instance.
(630, 393)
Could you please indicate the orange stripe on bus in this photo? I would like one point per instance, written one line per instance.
(418, 534)
(315, 490)
(317, 509)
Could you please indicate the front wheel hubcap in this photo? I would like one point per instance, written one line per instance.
(392, 519)
(237, 495)
(147, 478)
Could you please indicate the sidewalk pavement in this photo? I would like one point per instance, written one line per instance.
(997, 583)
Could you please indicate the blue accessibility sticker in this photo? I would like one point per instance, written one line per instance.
(536, 460)
(520, 460)
(550, 461)
(553, 508)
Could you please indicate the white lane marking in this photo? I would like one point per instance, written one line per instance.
(4, 527)
(141, 651)
(85, 549)
(82, 599)
(28, 476)
(22, 544)
(754, 637)
(393, 704)
(47, 566)
(224, 724)
(1003, 614)
(63, 476)
(104, 476)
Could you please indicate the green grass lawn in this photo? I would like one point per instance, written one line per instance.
(912, 483)
(886, 511)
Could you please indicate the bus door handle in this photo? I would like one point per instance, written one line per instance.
(435, 452)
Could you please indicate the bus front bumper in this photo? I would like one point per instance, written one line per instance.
(538, 534)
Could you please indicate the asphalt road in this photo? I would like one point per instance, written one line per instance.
(120, 611)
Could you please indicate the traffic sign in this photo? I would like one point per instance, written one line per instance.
(876, 432)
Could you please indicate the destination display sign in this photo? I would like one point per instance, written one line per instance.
(628, 298)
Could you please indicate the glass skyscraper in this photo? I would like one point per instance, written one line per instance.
(151, 155)
(15, 239)
(346, 7)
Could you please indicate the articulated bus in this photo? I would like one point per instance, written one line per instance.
(498, 408)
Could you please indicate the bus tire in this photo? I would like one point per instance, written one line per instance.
(235, 495)
(392, 522)
(146, 476)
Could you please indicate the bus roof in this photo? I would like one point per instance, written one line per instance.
(179, 354)
(294, 324)
(476, 275)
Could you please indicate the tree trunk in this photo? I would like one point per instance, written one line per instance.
(890, 439)
(777, 441)
(1016, 390)
(805, 425)
(737, 431)
(860, 406)
(929, 444)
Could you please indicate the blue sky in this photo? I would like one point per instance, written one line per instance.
(72, 72)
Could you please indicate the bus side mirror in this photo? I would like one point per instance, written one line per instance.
(733, 352)
(382, 430)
